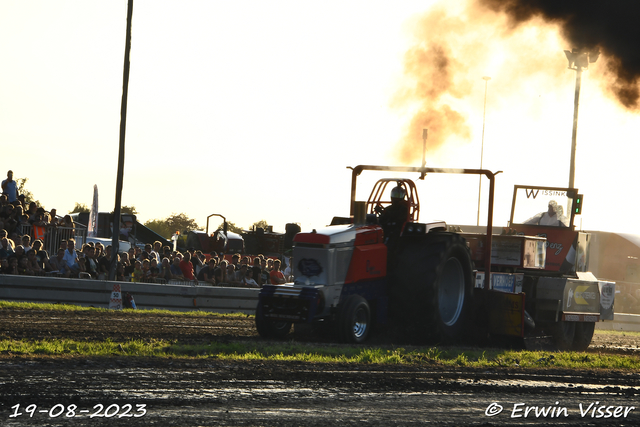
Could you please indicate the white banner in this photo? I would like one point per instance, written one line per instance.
(92, 230)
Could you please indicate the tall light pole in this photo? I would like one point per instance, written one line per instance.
(578, 60)
(484, 115)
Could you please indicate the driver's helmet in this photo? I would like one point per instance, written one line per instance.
(398, 193)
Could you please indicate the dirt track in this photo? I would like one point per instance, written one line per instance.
(123, 326)
(212, 391)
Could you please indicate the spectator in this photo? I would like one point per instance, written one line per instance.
(186, 267)
(67, 228)
(31, 212)
(242, 273)
(67, 222)
(248, 281)
(125, 231)
(23, 267)
(13, 265)
(10, 188)
(71, 258)
(126, 264)
(146, 254)
(288, 272)
(53, 213)
(255, 271)
(20, 218)
(176, 272)
(146, 272)
(165, 271)
(9, 219)
(41, 255)
(231, 276)
(235, 262)
(39, 225)
(4, 266)
(154, 270)
(167, 252)
(82, 269)
(244, 260)
(59, 264)
(6, 250)
(264, 273)
(104, 264)
(14, 239)
(137, 275)
(26, 242)
(207, 273)
(157, 251)
(33, 264)
(198, 260)
(220, 272)
(19, 252)
(90, 264)
(277, 278)
(120, 272)
(99, 253)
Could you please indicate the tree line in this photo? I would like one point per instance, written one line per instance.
(181, 222)
(165, 227)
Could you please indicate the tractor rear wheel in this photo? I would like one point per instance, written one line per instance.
(431, 291)
(583, 336)
(268, 328)
(354, 320)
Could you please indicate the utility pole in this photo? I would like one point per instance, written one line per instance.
(123, 127)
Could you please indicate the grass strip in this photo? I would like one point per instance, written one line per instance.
(451, 357)
(70, 307)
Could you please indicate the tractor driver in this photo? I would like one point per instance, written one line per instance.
(394, 216)
(553, 216)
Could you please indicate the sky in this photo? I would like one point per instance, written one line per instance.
(255, 110)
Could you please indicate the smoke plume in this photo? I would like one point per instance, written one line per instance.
(522, 42)
(611, 26)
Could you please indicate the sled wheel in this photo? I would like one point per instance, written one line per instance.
(563, 334)
(583, 336)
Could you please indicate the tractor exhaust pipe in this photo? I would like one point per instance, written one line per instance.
(360, 213)
(425, 133)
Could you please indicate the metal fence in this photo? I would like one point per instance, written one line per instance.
(621, 322)
(54, 235)
(97, 293)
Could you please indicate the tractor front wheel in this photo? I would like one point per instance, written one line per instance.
(354, 320)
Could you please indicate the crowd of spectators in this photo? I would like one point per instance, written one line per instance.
(153, 264)
(157, 264)
(25, 254)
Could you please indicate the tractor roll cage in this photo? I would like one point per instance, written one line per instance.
(356, 171)
(375, 198)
